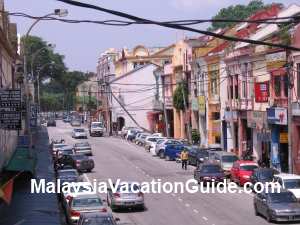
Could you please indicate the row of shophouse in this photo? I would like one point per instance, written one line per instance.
(8, 80)
(237, 92)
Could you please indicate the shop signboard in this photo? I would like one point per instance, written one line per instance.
(277, 116)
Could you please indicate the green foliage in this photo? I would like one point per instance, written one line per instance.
(178, 100)
(236, 12)
(60, 91)
(195, 136)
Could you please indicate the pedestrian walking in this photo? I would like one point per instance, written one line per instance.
(184, 156)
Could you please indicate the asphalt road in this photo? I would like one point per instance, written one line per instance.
(115, 158)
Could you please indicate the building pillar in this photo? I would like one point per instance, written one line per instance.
(177, 126)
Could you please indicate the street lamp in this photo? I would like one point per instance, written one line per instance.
(57, 12)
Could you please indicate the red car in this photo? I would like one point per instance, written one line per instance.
(242, 170)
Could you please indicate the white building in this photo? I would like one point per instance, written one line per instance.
(135, 91)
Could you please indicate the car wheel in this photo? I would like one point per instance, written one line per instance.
(269, 217)
(161, 155)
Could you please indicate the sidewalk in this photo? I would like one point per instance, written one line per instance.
(33, 209)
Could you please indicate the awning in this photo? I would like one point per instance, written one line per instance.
(22, 161)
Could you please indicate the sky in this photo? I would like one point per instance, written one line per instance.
(82, 44)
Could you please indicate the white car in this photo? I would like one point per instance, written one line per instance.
(290, 182)
(79, 133)
(77, 189)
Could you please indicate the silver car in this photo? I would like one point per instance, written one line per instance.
(83, 148)
(131, 198)
(83, 204)
(79, 133)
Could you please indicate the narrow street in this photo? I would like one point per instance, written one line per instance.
(115, 158)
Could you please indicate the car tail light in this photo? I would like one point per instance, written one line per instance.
(103, 210)
(117, 195)
(75, 213)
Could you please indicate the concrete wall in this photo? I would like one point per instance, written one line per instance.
(136, 98)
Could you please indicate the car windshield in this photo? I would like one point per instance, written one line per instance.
(266, 175)
(123, 188)
(99, 220)
(84, 144)
(67, 152)
(229, 158)
(81, 188)
(79, 130)
(96, 125)
(202, 153)
(283, 197)
(69, 173)
(211, 169)
(292, 183)
(87, 202)
(249, 167)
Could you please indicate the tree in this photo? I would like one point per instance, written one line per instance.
(238, 12)
(178, 100)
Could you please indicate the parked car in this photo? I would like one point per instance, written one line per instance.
(160, 147)
(171, 151)
(97, 218)
(79, 133)
(197, 155)
(150, 140)
(83, 163)
(69, 175)
(242, 170)
(277, 207)
(83, 148)
(96, 129)
(134, 198)
(124, 131)
(131, 134)
(56, 147)
(290, 182)
(67, 119)
(51, 122)
(226, 160)
(77, 189)
(75, 122)
(82, 204)
(209, 171)
(263, 175)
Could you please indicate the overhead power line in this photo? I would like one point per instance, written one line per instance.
(176, 26)
(275, 20)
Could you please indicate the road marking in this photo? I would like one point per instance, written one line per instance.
(203, 217)
(195, 211)
(187, 205)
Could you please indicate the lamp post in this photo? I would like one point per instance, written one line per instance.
(57, 12)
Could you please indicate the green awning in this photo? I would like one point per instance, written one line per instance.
(22, 161)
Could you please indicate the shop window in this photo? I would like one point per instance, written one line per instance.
(285, 86)
(277, 86)
(236, 87)
(215, 116)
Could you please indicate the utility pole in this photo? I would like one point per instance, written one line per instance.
(165, 110)
(290, 87)
(185, 111)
